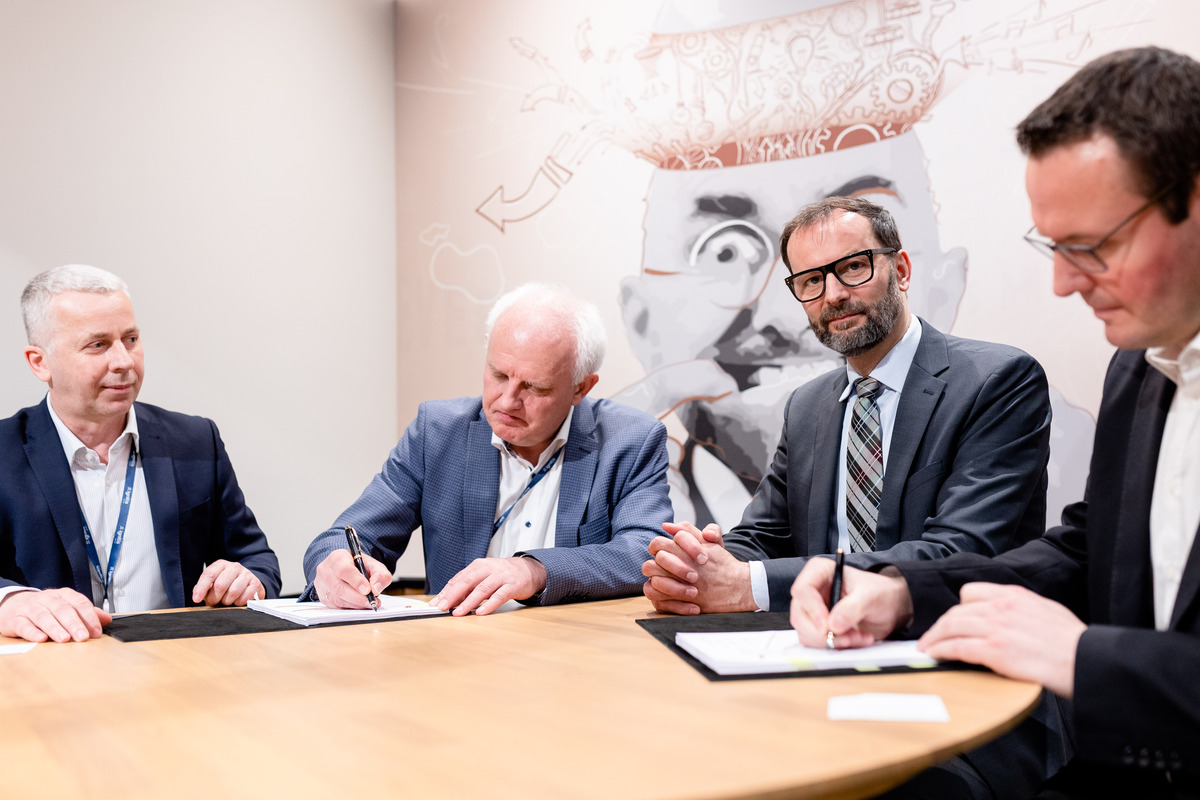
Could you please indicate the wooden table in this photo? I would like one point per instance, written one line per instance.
(561, 702)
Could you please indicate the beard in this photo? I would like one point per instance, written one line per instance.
(881, 316)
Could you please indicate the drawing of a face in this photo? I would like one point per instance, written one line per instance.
(711, 287)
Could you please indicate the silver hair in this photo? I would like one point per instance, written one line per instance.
(35, 299)
(556, 304)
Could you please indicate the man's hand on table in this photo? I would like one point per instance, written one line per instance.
(487, 583)
(227, 583)
(61, 615)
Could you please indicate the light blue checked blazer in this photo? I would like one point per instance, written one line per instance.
(444, 475)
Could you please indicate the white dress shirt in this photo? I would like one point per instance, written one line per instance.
(531, 523)
(891, 372)
(1175, 505)
(137, 580)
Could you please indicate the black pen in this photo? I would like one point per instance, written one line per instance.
(835, 592)
(356, 554)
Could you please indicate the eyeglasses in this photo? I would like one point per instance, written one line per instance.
(852, 270)
(1086, 256)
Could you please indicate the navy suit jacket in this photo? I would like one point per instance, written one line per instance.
(198, 511)
(966, 469)
(444, 475)
(1137, 694)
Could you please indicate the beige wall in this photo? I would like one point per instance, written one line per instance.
(233, 160)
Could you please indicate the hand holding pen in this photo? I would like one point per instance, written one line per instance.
(835, 594)
(356, 554)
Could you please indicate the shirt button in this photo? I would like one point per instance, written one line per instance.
(120, 592)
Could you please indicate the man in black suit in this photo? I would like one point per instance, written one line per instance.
(1105, 609)
(963, 432)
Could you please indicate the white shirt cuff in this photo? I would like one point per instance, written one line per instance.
(5, 592)
(758, 586)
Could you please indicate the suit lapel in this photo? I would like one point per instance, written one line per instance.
(481, 487)
(827, 442)
(580, 457)
(918, 399)
(1133, 562)
(44, 450)
(1131, 593)
(158, 468)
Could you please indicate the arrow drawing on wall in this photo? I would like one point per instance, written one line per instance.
(499, 210)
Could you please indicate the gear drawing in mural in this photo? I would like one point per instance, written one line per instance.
(819, 80)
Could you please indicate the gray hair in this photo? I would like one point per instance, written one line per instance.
(554, 304)
(35, 299)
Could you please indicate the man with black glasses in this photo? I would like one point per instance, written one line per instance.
(1105, 609)
(923, 445)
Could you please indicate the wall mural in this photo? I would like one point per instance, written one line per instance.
(746, 111)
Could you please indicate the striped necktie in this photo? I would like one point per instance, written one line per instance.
(864, 467)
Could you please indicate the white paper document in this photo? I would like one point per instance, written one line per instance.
(310, 613)
(888, 707)
(759, 652)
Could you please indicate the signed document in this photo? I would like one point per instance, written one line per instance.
(755, 652)
(315, 613)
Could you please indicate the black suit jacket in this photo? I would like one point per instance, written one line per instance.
(1137, 690)
(966, 470)
(198, 511)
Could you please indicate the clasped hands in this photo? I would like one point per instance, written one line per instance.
(65, 615)
(691, 572)
(482, 586)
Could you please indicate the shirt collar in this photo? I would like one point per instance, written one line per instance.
(71, 444)
(1183, 370)
(892, 370)
(557, 442)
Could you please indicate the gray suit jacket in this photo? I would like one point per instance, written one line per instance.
(966, 471)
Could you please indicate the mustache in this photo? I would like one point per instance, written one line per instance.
(849, 307)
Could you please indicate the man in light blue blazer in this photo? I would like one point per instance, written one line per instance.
(531, 492)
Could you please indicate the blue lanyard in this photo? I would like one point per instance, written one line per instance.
(114, 550)
(541, 473)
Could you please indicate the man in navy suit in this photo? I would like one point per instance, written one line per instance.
(964, 434)
(531, 492)
(1105, 609)
(107, 505)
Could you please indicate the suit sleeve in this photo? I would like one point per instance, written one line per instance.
(1054, 566)
(386, 513)
(638, 506)
(1137, 701)
(243, 540)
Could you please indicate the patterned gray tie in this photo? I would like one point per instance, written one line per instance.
(864, 467)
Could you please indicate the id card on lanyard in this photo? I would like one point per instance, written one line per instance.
(114, 550)
(541, 473)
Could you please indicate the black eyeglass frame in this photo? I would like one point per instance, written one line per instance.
(828, 269)
(1074, 253)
